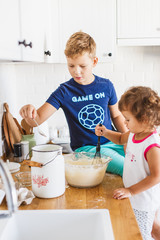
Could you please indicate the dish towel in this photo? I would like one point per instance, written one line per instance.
(24, 196)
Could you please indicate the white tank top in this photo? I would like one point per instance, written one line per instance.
(136, 169)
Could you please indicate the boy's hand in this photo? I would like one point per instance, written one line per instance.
(28, 111)
(100, 130)
(121, 193)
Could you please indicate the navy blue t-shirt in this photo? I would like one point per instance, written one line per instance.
(84, 107)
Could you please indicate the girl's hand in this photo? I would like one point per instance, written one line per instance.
(100, 130)
(28, 111)
(121, 193)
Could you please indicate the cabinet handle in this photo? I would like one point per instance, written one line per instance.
(29, 45)
(107, 55)
(25, 44)
(48, 53)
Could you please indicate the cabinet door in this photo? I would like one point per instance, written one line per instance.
(51, 44)
(32, 29)
(138, 22)
(95, 17)
(9, 30)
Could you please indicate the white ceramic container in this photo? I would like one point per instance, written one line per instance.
(49, 180)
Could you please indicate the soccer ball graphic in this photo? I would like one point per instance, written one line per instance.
(90, 115)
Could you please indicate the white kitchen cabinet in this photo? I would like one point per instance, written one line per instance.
(138, 22)
(9, 30)
(22, 30)
(96, 17)
(32, 22)
(37, 30)
(51, 41)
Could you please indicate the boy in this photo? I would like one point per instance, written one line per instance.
(86, 100)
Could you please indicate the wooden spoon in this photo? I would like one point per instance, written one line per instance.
(18, 125)
(28, 129)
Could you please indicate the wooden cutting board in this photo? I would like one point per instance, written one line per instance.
(6, 133)
(14, 132)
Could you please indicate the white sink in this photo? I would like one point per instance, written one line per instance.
(81, 224)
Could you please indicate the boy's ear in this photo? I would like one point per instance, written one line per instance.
(95, 61)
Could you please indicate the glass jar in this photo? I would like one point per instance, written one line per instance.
(25, 149)
(18, 152)
(32, 142)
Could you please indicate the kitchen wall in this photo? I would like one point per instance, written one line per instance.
(23, 83)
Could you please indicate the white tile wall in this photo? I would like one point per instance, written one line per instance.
(24, 83)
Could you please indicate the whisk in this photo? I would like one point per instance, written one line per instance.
(97, 156)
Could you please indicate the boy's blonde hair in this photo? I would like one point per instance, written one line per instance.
(80, 43)
(143, 103)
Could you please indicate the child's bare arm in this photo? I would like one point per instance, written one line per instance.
(28, 112)
(121, 193)
(116, 137)
(117, 118)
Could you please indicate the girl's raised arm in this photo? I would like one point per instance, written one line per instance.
(116, 137)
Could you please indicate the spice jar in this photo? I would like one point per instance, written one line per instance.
(25, 149)
(17, 152)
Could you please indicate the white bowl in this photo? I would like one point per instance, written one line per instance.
(82, 170)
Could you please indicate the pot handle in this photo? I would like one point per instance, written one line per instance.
(37, 164)
(32, 163)
(50, 160)
(27, 156)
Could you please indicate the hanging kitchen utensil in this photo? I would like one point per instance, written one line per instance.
(13, 130)
(6, 133)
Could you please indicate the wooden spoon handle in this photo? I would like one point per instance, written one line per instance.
(19, 127)
(32, 163)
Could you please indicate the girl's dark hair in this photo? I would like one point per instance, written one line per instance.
(143, 103)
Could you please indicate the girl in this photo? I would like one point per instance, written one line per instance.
(140, 107)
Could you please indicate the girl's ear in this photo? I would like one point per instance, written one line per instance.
(144, 119)
(95, 61)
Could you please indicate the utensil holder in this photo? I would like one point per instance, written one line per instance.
(32, 142)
